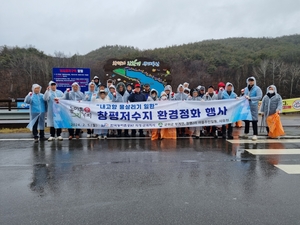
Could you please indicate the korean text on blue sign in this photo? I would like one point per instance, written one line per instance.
(65, 77)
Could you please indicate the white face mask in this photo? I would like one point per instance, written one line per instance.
(271, 91)
(163, 98)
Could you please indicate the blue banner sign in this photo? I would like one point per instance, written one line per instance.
(64, 77)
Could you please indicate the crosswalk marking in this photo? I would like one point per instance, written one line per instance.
(247, 141)
(274, 151)
(289, 169)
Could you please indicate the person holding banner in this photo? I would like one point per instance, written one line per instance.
(167, 133)
(88, 97)
(195, 97)
(74, 95)
(52, 95)
(137, 96)
(168, 91)
(271, 104)
(228, 93)
(121, 96)
(37, 112)
(103, 97)
(180, 96)
(211, 96)
(254, 94)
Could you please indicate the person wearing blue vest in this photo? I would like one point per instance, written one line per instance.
(254, 94)
(37, 112)
(228, 93)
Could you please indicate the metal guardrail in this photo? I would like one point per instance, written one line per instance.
(11, 104)
(11, 115)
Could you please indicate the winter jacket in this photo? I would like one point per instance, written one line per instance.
(271, 103)
(137, 97)
(72, 95)
(49, 98)
(255, 95)
(226, 95)
(37, 108)
(119, 97)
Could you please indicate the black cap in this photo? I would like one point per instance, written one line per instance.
(211, 87)
(146, 84)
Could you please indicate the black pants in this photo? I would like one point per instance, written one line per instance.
(229, 130)
(90, 131)
(35, 130)
(254, 125)
(52, 131)
(71, 132)
(180, 131)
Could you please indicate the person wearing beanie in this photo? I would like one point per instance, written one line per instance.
(221, 88)
(202, 92)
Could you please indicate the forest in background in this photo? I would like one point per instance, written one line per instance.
(270, 60)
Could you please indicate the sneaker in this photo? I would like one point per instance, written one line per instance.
(51, 138)
(244, 136)
(77, 136)
(105, 137)
(254, 138)
(88, 135)
(70, 137)
(94, 135)
(60, 138)
(36, 140)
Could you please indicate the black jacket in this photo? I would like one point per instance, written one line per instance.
(137, 97)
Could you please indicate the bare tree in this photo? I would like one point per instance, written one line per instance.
(282, 76)
(261, 71)
(295, 74)
(274, 65)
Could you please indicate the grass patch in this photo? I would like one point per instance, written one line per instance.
(18, 130)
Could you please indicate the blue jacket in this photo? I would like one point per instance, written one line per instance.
(255, 95)
(225, 94)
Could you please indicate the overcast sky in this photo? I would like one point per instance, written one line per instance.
(80, 26)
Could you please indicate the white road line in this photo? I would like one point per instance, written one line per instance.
(247, 141)
(289, 169)
(274, 151)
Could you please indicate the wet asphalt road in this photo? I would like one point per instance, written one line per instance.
(139, 181)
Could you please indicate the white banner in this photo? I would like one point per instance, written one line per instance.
(147, 115)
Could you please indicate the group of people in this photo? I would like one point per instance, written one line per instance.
(40, 104)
